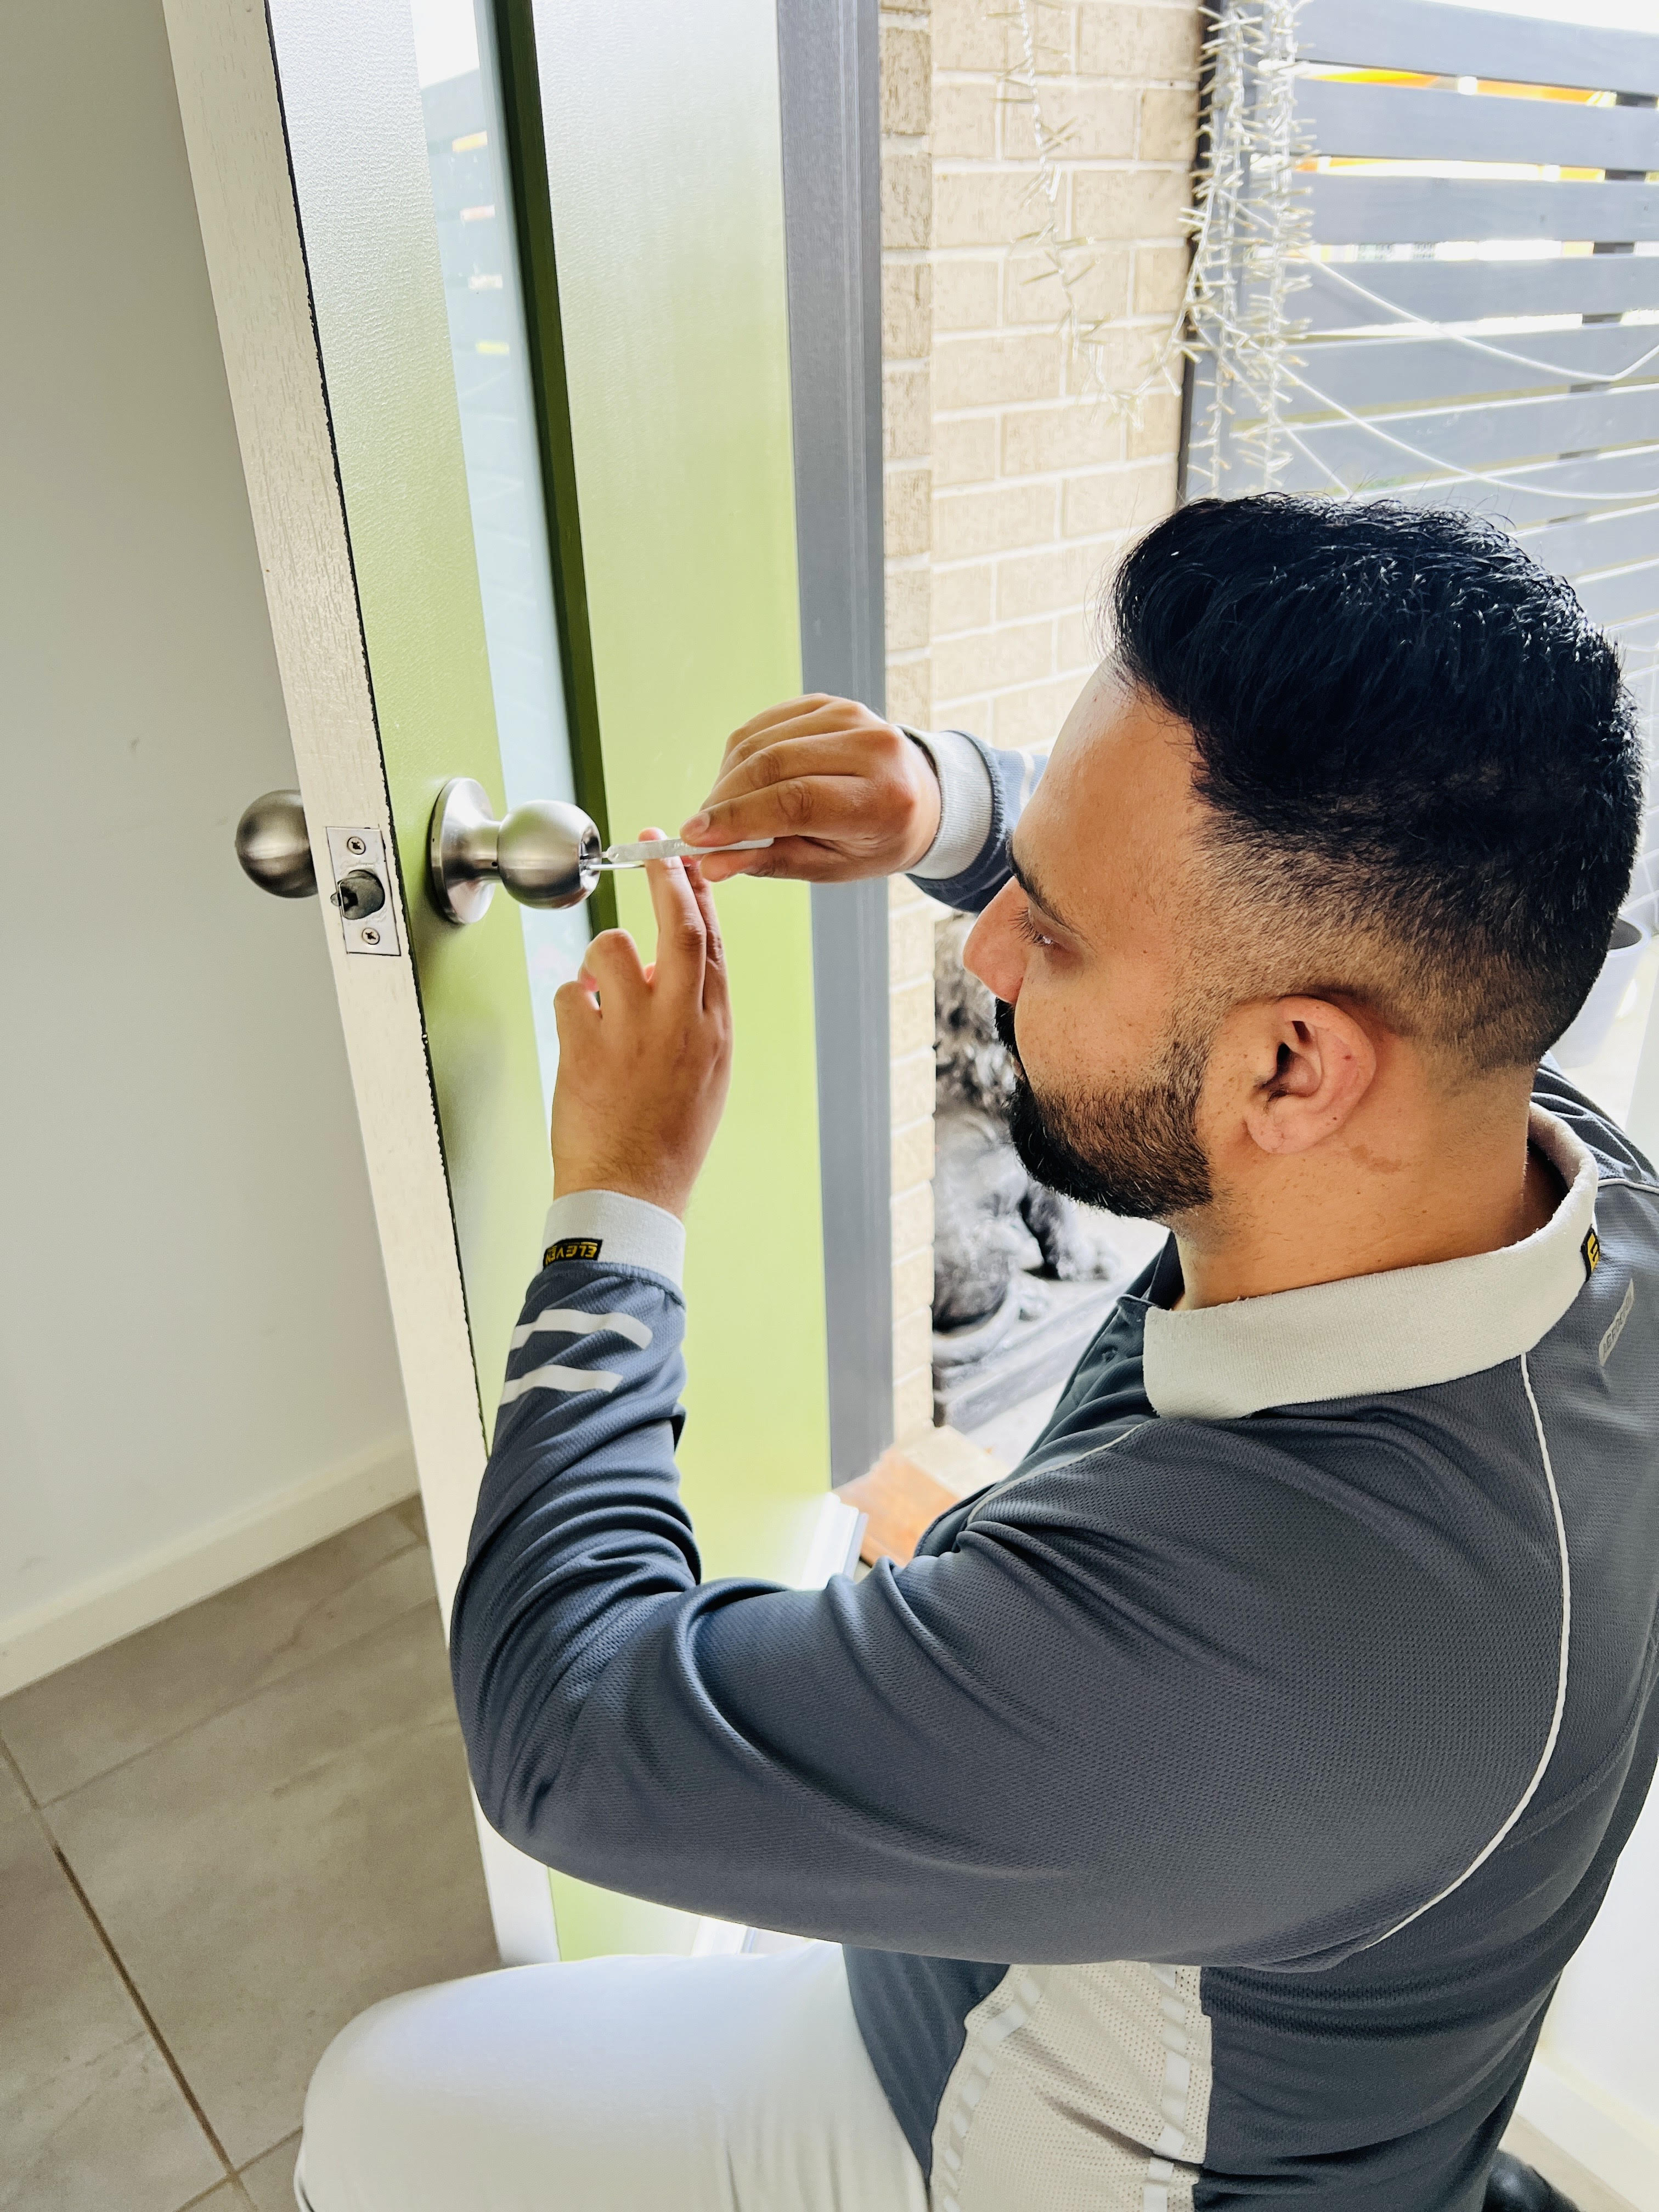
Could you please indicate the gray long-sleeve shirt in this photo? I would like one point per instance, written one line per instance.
(1209, 1808)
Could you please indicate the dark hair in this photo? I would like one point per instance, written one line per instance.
(1400, 715)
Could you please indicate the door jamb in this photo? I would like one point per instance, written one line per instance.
(829, 85)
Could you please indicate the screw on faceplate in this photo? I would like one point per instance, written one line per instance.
(371, 936)
(355, 845)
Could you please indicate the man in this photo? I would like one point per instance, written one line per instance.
(1207, 1811)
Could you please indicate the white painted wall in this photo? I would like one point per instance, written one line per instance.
(196, 1368)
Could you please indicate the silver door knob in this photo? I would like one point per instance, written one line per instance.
(544, 853)
(274, 846)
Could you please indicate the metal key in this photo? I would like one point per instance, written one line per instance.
(671, 848)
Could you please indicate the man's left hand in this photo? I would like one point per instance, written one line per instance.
(645, 1054)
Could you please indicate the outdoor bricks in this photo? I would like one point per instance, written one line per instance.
(1092, 123)
(992, 519)
(1098, 288)
(1055, 22)
(1031, 290)
(1036, 583)
(913, 1281)
(964, 125)
(963, 715)
(1159, 428)
(912, 1088)
(1153, 44)
(1075, 641)
(910, 692)
(906, 492)
(910, 942)
(1033, 716)
(912, 1341)
(907, 608)
(1118, 499)
(962, 598)
(913, 1153)
(973, 34)
(906, 418)
(913, 1214)
(1011, 484)
(965, 295)
(1160, 279)
(1129, 203)
(964, 449)
(912, 1404)
(1169, 125)
(985, 371)
(911, 1015)
(986, 206)
(1118, 359)
(1069, 435)
(906, 192)
(906, 74)
(991, 659)
(907, 310)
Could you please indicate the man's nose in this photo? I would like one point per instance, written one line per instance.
(995, 952)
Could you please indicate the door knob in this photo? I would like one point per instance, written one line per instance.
(274, 845)
(543, 853)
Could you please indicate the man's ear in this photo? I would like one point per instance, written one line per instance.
(1314, 1063)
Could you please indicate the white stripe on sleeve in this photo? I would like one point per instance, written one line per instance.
(569, 1321)
(560, 1378)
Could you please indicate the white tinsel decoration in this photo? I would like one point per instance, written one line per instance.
(1252, 225)
(1249, 227)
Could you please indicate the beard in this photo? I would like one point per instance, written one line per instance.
(1132, 1149)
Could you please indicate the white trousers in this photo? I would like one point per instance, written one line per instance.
(735, 2084)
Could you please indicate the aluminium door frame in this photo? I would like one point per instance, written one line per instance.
(828, 63)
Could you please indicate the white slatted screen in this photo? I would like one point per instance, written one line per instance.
(1482, 307)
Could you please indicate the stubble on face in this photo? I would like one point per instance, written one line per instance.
(1131, 1148)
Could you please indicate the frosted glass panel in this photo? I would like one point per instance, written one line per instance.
(461, 100)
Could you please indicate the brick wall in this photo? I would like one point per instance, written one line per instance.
(1010, 484)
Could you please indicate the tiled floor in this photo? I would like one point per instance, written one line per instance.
(219, 1840)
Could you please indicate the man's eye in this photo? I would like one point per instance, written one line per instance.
(1028, 930)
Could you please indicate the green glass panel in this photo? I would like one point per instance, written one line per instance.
(664, 166)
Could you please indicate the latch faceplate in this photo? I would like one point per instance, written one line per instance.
(357, 858)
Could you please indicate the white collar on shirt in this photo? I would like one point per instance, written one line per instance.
(1372, 1334)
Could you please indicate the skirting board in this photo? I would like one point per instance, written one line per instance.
(1619, 2146)
(201, 1563)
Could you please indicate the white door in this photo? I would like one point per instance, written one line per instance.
(543, 538)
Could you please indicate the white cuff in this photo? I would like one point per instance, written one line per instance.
(607, 1226)
(964, 803)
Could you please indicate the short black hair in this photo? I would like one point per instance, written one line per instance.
(1400, 712)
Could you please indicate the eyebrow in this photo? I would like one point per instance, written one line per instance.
(1033, 891)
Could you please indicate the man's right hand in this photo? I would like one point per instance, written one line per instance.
(842, 793)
